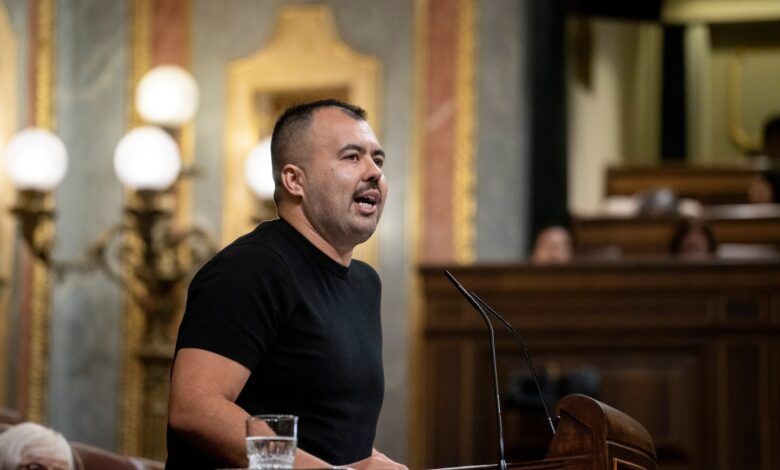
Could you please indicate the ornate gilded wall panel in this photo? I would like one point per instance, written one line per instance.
(304, 60)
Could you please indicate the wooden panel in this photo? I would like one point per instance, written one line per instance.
(690, 351)
(774, 404)
(444, 390)
(710, 185)
(741, 424)
(736, 224)
(658, 390)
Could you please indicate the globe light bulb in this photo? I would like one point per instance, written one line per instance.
(147, 158)
(257, 170)
(167, 95)
(36, 159)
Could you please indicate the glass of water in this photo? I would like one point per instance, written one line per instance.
(271, 441)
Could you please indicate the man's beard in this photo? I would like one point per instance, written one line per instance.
(342, 231)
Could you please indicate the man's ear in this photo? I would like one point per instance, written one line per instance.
(293, 179)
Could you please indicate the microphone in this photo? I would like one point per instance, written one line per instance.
(525, 352)
(478, 307)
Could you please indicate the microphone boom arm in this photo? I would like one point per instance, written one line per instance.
(525, 352)
(486, 318)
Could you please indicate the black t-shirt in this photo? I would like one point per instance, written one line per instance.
(308, 329)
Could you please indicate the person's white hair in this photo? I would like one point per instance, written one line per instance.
(25, 442)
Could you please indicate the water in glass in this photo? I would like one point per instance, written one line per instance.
(270, 452)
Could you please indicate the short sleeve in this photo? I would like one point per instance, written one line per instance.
(237, 304)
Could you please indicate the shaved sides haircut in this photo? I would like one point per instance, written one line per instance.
(292, 125)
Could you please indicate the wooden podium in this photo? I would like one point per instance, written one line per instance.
(592, 436)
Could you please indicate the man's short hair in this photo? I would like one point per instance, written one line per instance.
(291, 125)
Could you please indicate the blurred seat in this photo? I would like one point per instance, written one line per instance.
(89, 457)
(9, 416)
(747, 251)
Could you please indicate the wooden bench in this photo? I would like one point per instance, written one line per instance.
(707, 184)
(741, 224)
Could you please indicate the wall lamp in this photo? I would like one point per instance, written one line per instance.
(155, 258)
(143, 252)
(259, 177)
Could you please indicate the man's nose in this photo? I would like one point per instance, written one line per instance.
(371, 170)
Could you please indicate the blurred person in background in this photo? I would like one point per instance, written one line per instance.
(765, 187)
(27, 446)
(553, 245)
(693, 240)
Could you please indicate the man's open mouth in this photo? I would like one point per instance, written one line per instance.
(366, 200)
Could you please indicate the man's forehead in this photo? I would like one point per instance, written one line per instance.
(336, 123)
(334, 114)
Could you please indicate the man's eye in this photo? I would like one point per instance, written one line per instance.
(352, 156)
(379, 162)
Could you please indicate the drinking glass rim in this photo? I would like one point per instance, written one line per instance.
(273, 416)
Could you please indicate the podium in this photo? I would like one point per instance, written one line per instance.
(592, 436)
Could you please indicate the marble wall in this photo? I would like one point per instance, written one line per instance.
(91, 91)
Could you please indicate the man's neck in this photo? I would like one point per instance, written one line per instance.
(295, 217)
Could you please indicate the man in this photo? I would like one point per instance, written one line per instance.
(283, 320)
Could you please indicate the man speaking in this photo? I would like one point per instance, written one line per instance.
(283, 320)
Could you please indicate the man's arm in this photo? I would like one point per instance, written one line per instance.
(202, 408)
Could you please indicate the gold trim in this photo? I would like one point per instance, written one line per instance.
(44, 65)
(141, 52)
(416, 421)
(37, 395)
(40, 310)
(186, 138)
(464, 204)
(8, 92)
(715, 11)
(143, 404)
(737, 133)
(130, 425)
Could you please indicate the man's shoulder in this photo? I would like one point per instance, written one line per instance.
(263, 250)
(363, 272)
(267, 239)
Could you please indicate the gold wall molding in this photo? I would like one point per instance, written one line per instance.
(145, 367)
(38, 341)
(737, 133)
(131, 418)
(719, 11)
(8, 92)
(464, 202)
(44, 64)
(305, 59)
(140, 52)
(743, 139)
